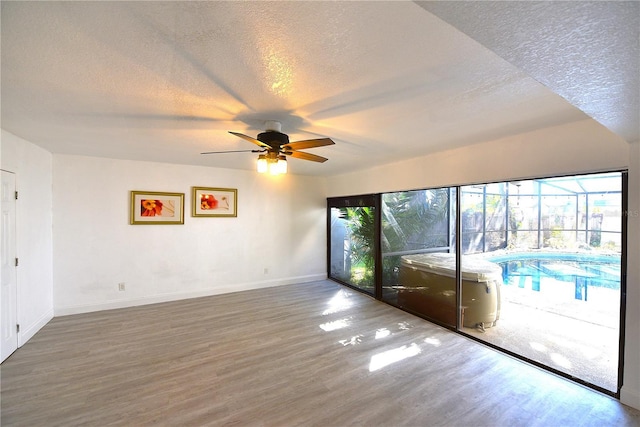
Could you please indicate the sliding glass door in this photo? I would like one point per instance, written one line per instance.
(352, 244)
(418, 239)
(536, 268)
(542, 271)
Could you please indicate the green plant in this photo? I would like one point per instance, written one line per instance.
(361, 225)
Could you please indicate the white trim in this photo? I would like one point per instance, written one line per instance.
(175, 296)
(630, 397)
(26, 334)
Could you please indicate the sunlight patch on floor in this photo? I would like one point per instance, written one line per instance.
(357, 339)
(386, 358)
(339, 302)
(336, 324)
(433, 341)
(382, 332)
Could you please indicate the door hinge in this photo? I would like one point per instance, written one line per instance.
(16, 195)
(18, 328)
(16, 261)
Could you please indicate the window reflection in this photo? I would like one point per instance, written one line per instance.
(415, 225)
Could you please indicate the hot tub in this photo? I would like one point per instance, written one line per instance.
(427, 285)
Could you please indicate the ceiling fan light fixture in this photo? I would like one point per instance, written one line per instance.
(273, 163)
(262, 163)
(277, 165)
(273, 168)
(282, 164)
(276, 146)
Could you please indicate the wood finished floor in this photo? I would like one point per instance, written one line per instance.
(314, 354)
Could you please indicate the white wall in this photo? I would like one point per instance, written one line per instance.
(583, 146)
(280, 227)
(33, 168)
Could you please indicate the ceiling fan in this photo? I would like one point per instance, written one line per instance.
(275, 146)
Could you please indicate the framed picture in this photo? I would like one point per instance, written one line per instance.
(214, 201)
(152, 207)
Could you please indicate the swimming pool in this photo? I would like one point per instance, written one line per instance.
(583, 270)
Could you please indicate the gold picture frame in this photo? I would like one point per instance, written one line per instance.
(155, 207)
(214, 202)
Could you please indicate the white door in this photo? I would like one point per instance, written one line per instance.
(8, 295)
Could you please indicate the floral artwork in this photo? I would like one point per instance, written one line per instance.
(214, 201)
(157, 208)
(209, 201)
(154, 207)
(150, 207)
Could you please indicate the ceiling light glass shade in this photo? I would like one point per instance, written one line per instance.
(274, 167)
(282, 164)
(273, 163)
(262, 163)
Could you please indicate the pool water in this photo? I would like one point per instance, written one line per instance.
(584, 272)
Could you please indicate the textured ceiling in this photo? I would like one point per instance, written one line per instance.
(164, 81)
(588, 51)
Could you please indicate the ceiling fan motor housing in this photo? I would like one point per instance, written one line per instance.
(276, 145)
(274, 139)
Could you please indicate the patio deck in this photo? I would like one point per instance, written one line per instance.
(574, 336)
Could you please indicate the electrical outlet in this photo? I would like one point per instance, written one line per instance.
(121, 286)
(266, 270)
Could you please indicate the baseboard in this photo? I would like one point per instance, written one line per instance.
(175, 296)
(630, 397)
(26, 332)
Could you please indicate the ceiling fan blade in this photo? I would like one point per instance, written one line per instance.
(232, 151)
(306, 156)
(251, 140)
(309, 143)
